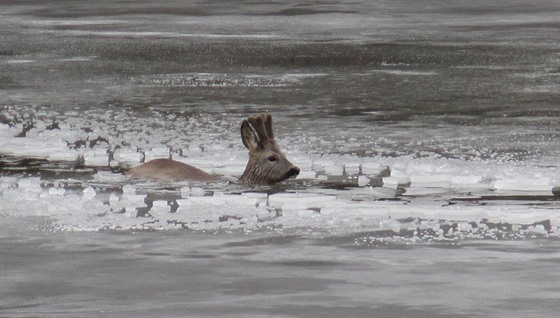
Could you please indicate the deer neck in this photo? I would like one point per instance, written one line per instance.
(252, 174)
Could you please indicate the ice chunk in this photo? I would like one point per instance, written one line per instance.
(156, 152)
(129, 189)
(320, 165)
(257, 195)
(296, 201)
(185, 192)
(307, 174)
(523, 184)
(304, 162)
(114, 164)
(160, 212)
(373, 168)
(56, 191)
(363, 181)
(352, 168)
(260, 199)
(113, 199)
(334, 170)
(184, 202)
(127, 156)
(391, 225)
(395, 182)
(30, 147)
(96, 158)
(88, 193)
(223, 200)
(160, 203)
(108, 176)
(198, 192)
(424, 191)
(133, 200)
(30, 185)
(63, 155)
(8, 183)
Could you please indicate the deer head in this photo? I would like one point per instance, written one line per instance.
(267, 164)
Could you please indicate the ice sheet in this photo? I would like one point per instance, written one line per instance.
(422, 197)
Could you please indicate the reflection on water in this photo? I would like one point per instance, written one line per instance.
(427, 134)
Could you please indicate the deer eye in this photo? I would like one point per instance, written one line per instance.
(272, 158)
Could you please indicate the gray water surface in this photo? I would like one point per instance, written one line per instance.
(427, 134)
(177, 274)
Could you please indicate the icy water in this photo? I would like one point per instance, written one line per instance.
(427, 133)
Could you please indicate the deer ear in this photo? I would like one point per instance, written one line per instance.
(249, 136)
(268, 125)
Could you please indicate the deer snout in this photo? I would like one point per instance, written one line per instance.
(293, 172)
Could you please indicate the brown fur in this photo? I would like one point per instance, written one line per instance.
(258, 136)
(266, 165)
(167, 169)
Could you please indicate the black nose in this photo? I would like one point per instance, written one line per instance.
(294, 171)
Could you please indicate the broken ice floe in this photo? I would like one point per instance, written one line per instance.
(45, 154)
(136, 207)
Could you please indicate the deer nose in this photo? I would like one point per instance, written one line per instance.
(293, 172)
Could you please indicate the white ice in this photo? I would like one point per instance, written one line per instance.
(334, 192)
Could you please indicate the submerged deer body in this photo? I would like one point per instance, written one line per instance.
(266, 165)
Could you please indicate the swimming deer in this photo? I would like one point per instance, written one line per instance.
(267, 164)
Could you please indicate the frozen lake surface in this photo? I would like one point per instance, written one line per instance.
(427, 134)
